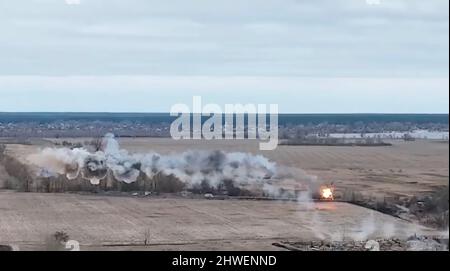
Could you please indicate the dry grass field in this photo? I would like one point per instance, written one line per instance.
(404, 169)
(121, 223)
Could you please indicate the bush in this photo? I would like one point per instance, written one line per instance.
(352, 196)
(20, 178)
(6, 248)
(438, 202)
(441, 220)
(56, 241)
(2, 150)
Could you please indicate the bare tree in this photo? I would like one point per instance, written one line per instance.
(147, 236)
(97, 143)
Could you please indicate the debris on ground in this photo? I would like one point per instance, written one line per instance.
(209, 196)
(421, 243)
(372, 245)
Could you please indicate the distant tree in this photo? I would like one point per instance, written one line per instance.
(408, 137)
(97, 143)
(2, 150)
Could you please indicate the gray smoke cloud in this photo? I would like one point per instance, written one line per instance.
(190, 167)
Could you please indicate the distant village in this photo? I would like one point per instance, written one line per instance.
(129, 128)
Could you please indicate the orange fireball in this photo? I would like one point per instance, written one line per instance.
(326, 193)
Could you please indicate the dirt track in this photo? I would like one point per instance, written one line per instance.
(120, 223)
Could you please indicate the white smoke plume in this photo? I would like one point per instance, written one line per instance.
(190, 167)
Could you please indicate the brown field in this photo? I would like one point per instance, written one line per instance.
(404, 169)
(120, 223)
(113, 223)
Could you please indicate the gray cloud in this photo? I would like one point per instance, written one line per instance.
(305, 55)
(254, 37)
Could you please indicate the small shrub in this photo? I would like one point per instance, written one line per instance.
(147, 237)
(61, 236)
(441, 220)
(56, 241)
(6, 248)
(2, 150)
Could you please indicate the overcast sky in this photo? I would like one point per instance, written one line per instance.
(309, 56)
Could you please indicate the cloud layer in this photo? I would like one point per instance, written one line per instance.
(253, 37)
(254, 40)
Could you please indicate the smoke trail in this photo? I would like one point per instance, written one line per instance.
(367, 228)
(190, 167)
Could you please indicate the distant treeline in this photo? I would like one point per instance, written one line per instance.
(284, 119)
(316, 141)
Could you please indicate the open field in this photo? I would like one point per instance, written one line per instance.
(120, 223)
(404, 169)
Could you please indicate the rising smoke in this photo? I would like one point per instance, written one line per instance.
(190, 167)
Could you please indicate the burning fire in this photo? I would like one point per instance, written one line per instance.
(326, 193)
